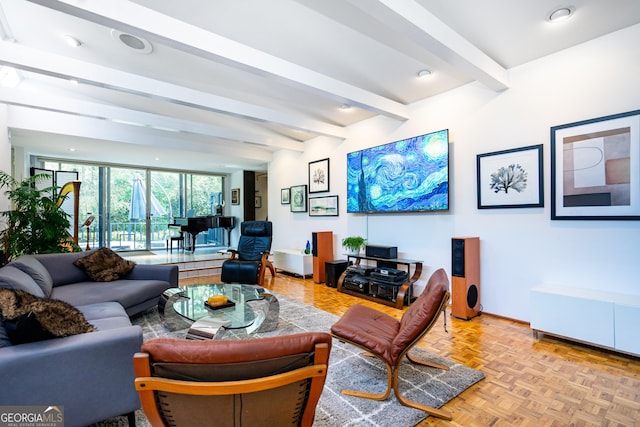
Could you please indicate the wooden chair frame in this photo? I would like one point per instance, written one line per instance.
(147, 384)
(392, 371)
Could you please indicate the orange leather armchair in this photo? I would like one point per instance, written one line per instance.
(390, 340)
(273, 381)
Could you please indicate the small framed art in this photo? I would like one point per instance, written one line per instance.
(319, 176)
(298, 198)
(285, 194)
(323, 206)
(235, 196)
(511, 178)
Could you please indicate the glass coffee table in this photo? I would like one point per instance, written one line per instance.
(251, 308)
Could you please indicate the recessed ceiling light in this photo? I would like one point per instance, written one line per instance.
(561, 14)
(135, 43)
(72, 41)
(345, 107)
(424, 73)
(72, 149)
(9, 77)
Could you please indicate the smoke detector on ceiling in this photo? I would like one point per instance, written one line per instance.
(134, 43)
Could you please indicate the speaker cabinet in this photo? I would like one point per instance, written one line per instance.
(465, 277)
(333, 271)
(322, 250)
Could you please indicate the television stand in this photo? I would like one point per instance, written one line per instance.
(400, 292)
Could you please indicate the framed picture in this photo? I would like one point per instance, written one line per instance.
(285, 194)
(511, 178)
(235, 196)
(319, 176)
(258, 202)
(595, 171)
(323, 206)
(298, 198)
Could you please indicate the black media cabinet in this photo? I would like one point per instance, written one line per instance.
(393, 295)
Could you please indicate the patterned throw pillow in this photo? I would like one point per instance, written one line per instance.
(28, 318)
(104, 265)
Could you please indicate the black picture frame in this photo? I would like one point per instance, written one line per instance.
(298, 198)
(595, 168)
(319, 176)
(511, 178)
(285, 196)
(323, 206)
(235, 196)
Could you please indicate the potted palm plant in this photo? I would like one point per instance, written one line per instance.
(35, 224)
(353, 244)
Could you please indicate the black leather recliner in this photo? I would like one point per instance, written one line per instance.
(249, 261)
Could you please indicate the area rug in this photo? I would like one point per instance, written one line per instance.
(347, 369)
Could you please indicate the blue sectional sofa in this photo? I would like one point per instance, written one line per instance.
(89, 375)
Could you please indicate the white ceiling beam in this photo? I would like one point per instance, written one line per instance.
(29, 59)
(85, 127)
(46, 101)
(126, 16)
(410, 19)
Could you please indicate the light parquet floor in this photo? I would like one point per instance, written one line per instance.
(528, 382)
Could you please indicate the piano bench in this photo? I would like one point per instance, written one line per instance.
(179, 239)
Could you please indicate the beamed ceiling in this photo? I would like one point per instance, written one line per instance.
(219, 85)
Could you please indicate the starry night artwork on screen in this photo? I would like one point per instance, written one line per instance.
(411, 175)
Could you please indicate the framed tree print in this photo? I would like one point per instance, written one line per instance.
(298, 198)
(319, 176)
(511, 178)
(595, 169)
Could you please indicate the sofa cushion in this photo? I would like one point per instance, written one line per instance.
(104, 265)
(28, 318)
(127, 293)
(13, 278)
(60, 267)
(105, 315)
(34, 268)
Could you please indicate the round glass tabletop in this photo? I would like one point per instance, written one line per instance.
(192, 306)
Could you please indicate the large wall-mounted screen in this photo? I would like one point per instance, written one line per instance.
(411, 175)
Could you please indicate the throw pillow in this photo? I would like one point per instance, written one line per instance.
(34, 268)
(104, 265)
(26, 328)
(28, 318)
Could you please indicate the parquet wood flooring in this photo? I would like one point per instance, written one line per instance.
(529, 382)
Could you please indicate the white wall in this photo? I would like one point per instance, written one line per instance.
(520, 248)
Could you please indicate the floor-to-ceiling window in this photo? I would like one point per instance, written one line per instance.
(133, 207)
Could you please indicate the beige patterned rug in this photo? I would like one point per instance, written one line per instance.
(348, 369)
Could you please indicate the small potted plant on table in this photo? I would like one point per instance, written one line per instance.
(353, 244)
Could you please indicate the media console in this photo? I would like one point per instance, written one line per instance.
(596, 317)
(377, 283)
(293, 261)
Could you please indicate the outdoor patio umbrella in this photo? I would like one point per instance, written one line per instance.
(138, 208)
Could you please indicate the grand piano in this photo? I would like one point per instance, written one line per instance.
(192, 226)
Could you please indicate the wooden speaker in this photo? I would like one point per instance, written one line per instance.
(465, 277)
(322, 250)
